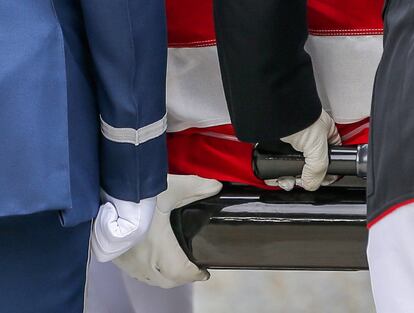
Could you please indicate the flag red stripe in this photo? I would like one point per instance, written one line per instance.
(190, 23)
(221, 157)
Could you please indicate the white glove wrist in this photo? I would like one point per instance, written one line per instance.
(120, 225)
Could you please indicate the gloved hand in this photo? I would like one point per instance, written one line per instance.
(120, 225)
(159, 260)
(313, 142)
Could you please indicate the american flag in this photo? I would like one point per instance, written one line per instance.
(345, 44)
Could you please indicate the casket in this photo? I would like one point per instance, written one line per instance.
(250, 225)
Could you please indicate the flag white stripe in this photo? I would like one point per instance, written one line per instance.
(344, 69)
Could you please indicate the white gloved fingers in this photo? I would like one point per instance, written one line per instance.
(159, 260)
(332, 131)
(202, 188)
(321, 159)
(137, 265)
(120, 225)
(334, 139)
(153, 278)
(184, 274)
(157, 279)
(110, 235)
(134, 263)
(329, 180)
(299, 182)
(130, 216)
(162, 282)
(102, 236)
(186, 189)
(313, 142)
(272, 182)
(174, 263)
(181, 272)
(107, 215)
(316, 165)
(287, 183)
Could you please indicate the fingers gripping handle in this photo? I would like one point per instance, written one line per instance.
(271, 162)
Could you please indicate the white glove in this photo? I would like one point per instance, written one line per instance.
(159, 260)
(313, 142)
(120, 225)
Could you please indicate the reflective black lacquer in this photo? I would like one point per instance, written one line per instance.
(247, 228)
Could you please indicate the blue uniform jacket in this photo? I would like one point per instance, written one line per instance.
(82, 104)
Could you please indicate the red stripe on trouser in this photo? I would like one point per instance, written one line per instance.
(388, 212)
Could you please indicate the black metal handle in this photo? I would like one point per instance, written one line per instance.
(282, 160)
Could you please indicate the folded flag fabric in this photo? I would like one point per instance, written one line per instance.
(345, 44)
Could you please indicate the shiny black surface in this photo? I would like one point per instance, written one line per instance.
(247, 228)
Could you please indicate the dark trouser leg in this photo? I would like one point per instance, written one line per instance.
(391, 165)
(42, 264)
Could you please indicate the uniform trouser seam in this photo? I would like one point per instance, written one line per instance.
(85, 291)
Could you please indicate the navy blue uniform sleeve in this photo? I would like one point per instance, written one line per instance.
(128, 43)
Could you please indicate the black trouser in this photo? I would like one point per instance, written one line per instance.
(391, 148)
(267, 75)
